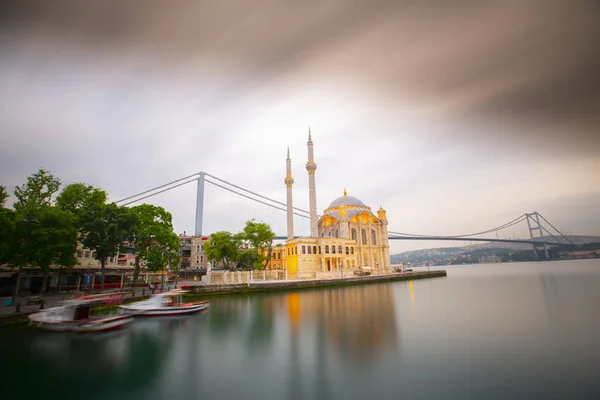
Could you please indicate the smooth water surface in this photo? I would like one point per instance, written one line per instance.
(505, 331)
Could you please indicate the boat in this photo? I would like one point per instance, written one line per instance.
(163, 304)
(75, 316)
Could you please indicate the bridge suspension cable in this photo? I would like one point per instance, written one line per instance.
(253, 193)
(154, 194)
(156, 188)
(251, 198)
(553, 227)
(515, 221)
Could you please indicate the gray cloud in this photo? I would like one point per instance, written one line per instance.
(446, 93)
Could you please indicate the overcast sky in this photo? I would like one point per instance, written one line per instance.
(455, 116)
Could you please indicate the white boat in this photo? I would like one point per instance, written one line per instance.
(74, 316)
(163, 304)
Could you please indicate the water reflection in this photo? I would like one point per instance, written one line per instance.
(506, 331)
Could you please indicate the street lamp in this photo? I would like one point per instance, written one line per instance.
(25, 251)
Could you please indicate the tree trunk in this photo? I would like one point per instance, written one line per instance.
(102, 262)
(58, 283)
(136, 271)
(45, 273)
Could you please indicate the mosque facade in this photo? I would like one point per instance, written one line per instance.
(348, 234)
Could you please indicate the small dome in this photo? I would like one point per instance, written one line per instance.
(346, 201)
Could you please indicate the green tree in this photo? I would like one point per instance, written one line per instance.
(248, 260)
(53, 241)
(36, 192)
(164, 253)
(3, 196)
(152, 227)
(7, 235)
(79, 198)
(223, 246)
(104, 229)
(260, 237)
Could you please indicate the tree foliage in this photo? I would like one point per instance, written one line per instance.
(36, 192)
(79, 198)
(7, 235)
(260, 238)
(52, 241)
(248, 260)
(3, 196)
(151, 230)
(223, 246)
(104, 229)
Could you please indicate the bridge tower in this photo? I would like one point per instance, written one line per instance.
(535, 227)
(199, 204)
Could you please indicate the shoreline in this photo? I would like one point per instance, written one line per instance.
(277, 286)
(15, 319)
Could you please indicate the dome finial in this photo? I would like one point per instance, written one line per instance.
(345, 193)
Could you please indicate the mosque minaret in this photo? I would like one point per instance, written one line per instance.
(311, 167)
(289, 181)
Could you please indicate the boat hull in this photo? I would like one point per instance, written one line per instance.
(101, 325)
(162, 311)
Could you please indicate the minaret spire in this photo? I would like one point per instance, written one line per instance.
(311, 167)
(289, 181)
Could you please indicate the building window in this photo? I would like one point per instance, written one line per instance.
(197, 259)
(333, 249)
(303, 249)
(314, 249)
(351, 250)
(86, 254)
(347, 250)
(201, 259)
(336, 233)
(364, 236)
(326, 249)
(340, 249)
(79, 254)
(373, 241)
(319, 249)
(198, 248)
(309, 250)
(353, 234)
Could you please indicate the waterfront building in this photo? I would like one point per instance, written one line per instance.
(346, 236)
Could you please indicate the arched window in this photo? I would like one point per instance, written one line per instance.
(351, 250)
(364, 236)
(353, 234)
(197, 248)
(333, 249)
(340, 249)
(319, 249)
(373, 240)
(309, 250)
(326, 249)
(303, 249)
(347, 250)
(314, 249)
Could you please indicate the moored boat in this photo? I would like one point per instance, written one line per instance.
(75, 316)
(163, 304)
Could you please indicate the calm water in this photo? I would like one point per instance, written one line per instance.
(508, 331)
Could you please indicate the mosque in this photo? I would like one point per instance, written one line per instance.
(348, 235)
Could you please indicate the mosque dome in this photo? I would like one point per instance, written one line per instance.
(346, 201)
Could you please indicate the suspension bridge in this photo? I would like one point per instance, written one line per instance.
(541, 232)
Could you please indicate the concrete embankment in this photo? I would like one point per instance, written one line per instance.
(271, 286)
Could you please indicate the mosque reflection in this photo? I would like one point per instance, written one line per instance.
(358, 322)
